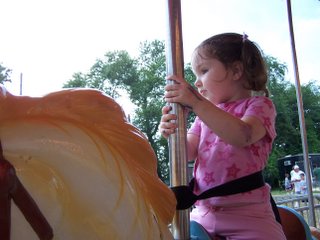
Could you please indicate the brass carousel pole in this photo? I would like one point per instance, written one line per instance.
(302, 121)
(177, 141)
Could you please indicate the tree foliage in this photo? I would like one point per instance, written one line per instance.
(4, 74)
(143, 80)
(288, 140)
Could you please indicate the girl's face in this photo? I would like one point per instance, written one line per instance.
(216, 82)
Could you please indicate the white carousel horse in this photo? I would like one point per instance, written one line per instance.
(91, 173)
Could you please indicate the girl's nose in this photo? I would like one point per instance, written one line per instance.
(198, 83)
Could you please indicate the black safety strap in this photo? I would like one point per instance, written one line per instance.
(275, 209)
(186, 198)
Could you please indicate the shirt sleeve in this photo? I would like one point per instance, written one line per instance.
(264, 109)
(195, 127)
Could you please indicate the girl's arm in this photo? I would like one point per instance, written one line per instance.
(192, 146)
(238, 132)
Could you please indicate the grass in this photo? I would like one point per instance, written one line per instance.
(279, 191)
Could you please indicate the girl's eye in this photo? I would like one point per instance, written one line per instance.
(203, 71)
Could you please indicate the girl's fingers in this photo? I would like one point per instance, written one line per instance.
(166, 109)
(166, 132)
(176, 79)
(172, 87)
(167, 126)
(166, 118)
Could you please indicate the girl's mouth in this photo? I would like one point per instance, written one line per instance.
(202, 91)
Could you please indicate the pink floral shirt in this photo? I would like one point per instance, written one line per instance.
(219, 162)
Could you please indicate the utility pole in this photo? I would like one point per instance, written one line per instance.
(20, 84)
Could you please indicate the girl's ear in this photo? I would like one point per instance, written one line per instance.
(237, 70)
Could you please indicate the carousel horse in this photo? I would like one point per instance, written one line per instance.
(294, 225)
(90, 173)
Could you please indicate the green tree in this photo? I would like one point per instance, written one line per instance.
(113, 73)
(4, 74)
(311, 105)
(79, 80)
(288, 140)
(277, 85)
(109, 74)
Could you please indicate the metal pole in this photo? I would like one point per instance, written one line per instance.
(302, 121)
(20, 83)
(177, 141)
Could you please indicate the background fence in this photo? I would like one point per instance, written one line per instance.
(300, 204)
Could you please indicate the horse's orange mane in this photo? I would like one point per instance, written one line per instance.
(93, 111)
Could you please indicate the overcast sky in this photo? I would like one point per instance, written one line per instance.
(49, 40)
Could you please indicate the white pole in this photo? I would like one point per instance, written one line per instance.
(302, 121)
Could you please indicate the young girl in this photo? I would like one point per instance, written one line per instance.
(287, 183)
(231, 137)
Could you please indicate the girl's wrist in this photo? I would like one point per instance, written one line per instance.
(198, 104)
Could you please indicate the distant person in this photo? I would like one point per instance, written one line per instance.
(292, 171)
(296, 178)
(287, 183)
(316, 173)
(303, 184)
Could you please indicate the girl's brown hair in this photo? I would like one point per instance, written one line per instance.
(231, 47)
